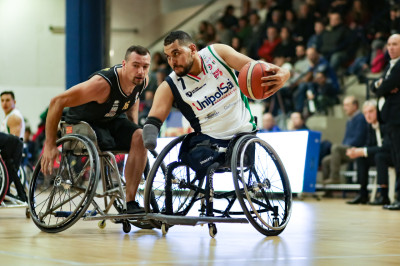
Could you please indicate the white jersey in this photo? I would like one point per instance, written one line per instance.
(4, 128)
(212, 101)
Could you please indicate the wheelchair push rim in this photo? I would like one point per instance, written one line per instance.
(262, 185)
(59, 200)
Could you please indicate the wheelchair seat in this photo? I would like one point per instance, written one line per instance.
(83, 128)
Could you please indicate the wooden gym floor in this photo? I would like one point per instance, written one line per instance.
(325, 232)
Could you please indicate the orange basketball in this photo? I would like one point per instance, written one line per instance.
(250, 79)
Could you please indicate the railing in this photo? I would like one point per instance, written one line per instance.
(185, 21)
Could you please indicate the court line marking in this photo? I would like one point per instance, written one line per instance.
(174, 262)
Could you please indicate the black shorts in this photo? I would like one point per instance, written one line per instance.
(115, 134)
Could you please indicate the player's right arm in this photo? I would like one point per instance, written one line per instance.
(95, 89)
(162, 104)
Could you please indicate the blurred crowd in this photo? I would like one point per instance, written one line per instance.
(320, 42)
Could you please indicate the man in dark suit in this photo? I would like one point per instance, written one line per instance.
(376, 152)
(387, 90)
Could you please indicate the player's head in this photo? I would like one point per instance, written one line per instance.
(136, 63)
(7, 101)
(180, 50)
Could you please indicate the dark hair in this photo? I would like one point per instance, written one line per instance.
(140, 50)
(8, 92)
(183, 38)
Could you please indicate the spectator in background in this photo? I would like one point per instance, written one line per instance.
(376, 152)
(336, 40)
(305, 24)
(211, 34)
(290, 20)
(255, 39)
(395, 19)
(358, 16)
(315, 40)
(317, 64)
(297, 122)
(354, 136)
(244, 31)
(387, 89)
(276, 19)
(266, 51)
(223, 34)
(321, 94)
(228, 19)
(237, 45)
(201, 38)
(268, 124)
(287, 47)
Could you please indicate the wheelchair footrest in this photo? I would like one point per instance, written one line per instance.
(192, 220)
(140, 216)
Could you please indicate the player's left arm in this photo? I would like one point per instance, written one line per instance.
(236, 60)
(14, 123)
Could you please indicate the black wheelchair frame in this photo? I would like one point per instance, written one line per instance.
(59, 200)
(262, 194)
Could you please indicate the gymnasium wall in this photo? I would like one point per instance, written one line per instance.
(32, 55)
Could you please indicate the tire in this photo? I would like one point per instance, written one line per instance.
(261, 184)
(4, 180)
(57, 201)
(171, 187)
(118, 201)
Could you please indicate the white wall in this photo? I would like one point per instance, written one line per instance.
(32, 58)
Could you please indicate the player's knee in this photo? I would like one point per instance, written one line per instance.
(137, 141)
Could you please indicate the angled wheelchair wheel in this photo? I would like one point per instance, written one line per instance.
(262, 185)
(171, 187)
(118, 201)
(57, 201)
(4, 181)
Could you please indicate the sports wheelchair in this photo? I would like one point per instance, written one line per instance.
(73, 191)
(262, 193)
(9, 194)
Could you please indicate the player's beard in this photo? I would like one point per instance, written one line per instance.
(137, 82)
(186, 69)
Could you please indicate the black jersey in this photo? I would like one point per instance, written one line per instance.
(117, 103)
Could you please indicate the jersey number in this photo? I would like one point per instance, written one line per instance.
(183, 83)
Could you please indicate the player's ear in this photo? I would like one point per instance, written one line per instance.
(193, 48)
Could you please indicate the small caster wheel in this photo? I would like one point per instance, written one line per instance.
(164, 229)
(212, 230)
(27, 213)
(102, 224)
(276, 222)
(126, 227)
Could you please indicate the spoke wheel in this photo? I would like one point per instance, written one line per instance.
(57, 201)
(261, 185)
(171, 187)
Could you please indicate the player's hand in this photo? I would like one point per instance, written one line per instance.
(276, 80)
(50, 153)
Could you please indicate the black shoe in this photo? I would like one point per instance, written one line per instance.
(133, 207)
(358, 200)
(381, 201)
(394, 207)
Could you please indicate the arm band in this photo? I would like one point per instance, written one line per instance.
(154, 121)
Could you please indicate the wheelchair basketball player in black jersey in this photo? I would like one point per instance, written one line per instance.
(109, 102)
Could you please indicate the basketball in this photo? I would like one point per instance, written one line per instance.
(250, 79)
